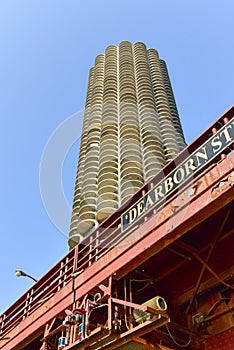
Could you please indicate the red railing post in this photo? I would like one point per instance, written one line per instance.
(75, 258)
(28, 302)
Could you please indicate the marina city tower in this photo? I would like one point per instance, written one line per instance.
(131, 129)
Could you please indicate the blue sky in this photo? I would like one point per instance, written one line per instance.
(47, 49)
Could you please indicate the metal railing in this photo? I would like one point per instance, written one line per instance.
(42, 290)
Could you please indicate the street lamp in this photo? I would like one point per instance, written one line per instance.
(22, 273)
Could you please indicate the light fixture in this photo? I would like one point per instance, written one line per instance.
(22, 273)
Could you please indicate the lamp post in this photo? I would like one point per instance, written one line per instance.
(22, 273)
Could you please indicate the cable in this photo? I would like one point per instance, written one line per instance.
(83, 301)
(216, 304)
(144, 280)
(148, 280)
(147, 284)
(180, 345)
(99, 306)
(125, 309)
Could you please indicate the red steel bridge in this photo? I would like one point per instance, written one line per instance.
(157, 274)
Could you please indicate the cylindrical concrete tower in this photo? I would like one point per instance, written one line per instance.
(131, 128)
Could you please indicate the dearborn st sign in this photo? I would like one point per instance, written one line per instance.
(214, 146)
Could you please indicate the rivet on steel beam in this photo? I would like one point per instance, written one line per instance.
(223, 156)
(174, 208)
(191, 191)
(231, 180)
(170, 228)
(214, 130)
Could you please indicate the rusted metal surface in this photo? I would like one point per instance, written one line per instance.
(140, 344)
(139, 330)
(222, 341)
(217, 235)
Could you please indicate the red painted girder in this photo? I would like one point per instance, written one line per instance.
(149, 238)
(222, 341)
